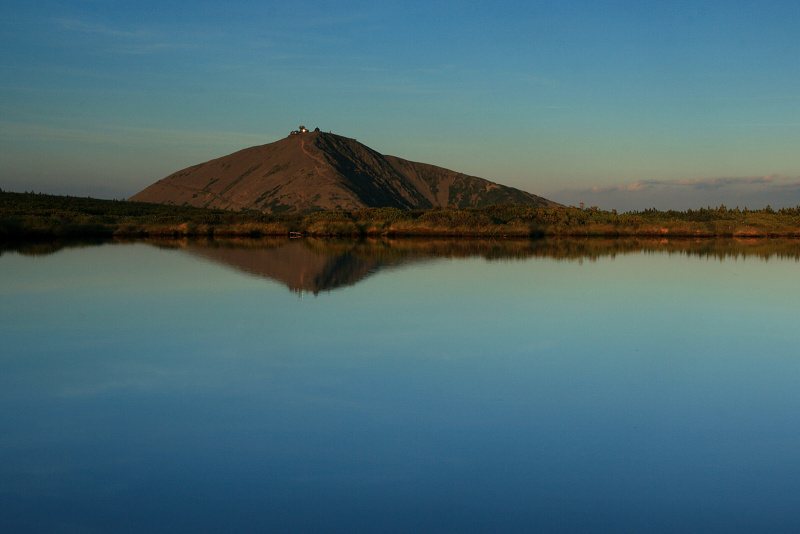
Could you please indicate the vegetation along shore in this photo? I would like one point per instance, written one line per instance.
(42, 216)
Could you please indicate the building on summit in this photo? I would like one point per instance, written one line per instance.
(302, 130)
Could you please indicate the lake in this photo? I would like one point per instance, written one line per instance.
(400, 386)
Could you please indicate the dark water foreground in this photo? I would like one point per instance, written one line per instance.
(401, 386)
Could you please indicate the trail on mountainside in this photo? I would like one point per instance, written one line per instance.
(318, 162)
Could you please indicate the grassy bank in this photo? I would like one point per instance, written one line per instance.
(40, 216)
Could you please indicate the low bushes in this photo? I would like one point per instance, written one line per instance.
(37, 216)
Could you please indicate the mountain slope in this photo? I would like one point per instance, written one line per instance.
(315, 170)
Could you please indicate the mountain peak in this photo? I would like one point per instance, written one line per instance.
(314, 170)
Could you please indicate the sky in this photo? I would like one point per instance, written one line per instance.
(620, 105)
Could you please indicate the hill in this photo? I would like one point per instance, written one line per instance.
(313, 171)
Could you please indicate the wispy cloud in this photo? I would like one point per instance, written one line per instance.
(698, 184)
(100, 29)
(125, 135)
(339, 19)
(753, 191)
(766, 125)
(121, 41)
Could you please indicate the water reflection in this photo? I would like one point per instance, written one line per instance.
(301, 265)
(147, 388)
(317, 265)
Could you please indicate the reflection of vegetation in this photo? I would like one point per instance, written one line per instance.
(315, 265)
(45, 248)
(560, 249)
(720, 248)
(390, 250)
(321, 264)
(36, 216)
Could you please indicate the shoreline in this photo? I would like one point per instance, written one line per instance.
(34, 216)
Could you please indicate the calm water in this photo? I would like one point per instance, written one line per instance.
(313, 386)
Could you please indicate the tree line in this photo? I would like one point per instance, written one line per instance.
(42, 216)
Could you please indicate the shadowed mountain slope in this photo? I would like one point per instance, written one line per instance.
(319, 171)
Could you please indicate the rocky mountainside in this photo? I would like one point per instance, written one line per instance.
(311, 171)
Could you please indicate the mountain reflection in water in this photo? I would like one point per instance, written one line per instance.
(315, 265)
(298, 264)
(323, 264)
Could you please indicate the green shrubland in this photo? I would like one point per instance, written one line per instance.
(41, 216)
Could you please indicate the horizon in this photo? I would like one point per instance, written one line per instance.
(624, 106)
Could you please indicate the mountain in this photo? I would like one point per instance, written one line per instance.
(312, 171)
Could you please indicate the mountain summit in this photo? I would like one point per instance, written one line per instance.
(309, 171)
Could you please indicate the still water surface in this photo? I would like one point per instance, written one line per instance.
(313, 386)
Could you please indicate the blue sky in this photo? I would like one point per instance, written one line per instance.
(624, 105)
